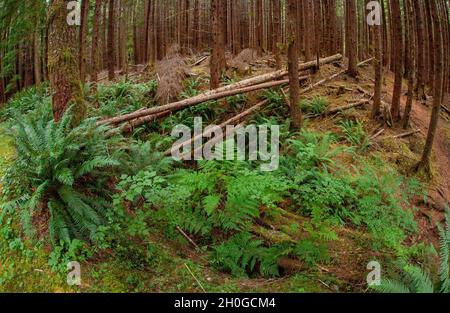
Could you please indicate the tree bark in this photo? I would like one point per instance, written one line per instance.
(218, 54)
(83, 39)
(294, 87)
(63, 63)
(398, 49)
(352, 38)
(95, 41)
(378, 43)
(438, 84)
(111, 41)
(409, 13)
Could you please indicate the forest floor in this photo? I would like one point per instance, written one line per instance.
(179, 268)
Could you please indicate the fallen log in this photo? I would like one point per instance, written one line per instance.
(171, 107)
(218, 93)
(128, 127)
(407, 134)
(323, 81)
(378, 134)
(347, 107)
(213, 141)
(445, 109)
(231, 121)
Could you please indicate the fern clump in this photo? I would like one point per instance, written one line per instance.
(316, 106)
(311, 150)
(416, 280)
(123, 98)
(62, 174)
(26, 101)
(229, 194)
(356, 135)
(322, 189)
(242, 255)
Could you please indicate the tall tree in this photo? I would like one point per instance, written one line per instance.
(398, 59)
(277, 31)
(411, 65)
(378, 44)
(95, 41)
(218, 53)
(111, 40)
(352, 34)
(83, 39)
(438, 83)
(63, 67)
(294, 87)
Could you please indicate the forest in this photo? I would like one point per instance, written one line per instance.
(220, 146)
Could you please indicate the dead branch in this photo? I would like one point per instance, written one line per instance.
(231, 121)
(347, 107)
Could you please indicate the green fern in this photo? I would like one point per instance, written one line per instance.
(355, 134)
(62, 166)
(416, 280)
(242, 255)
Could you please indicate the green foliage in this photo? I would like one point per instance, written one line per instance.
(417, 280)
(242, 255)
(275, 107)
(123, 97)
(26, 101)
(314, 150)
(355, 134)
(316, 106)
(66, 171)
(65, 252)
(312, 252)
(147, 155)
(229, 194)
(369, 198)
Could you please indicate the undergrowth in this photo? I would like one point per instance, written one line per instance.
(92, 193)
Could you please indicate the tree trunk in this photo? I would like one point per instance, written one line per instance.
(63, 63)
(83, 39)
(352, 38)
(409, 13)
(218, 54)
(378, 43)
(277, 32)
(421, 45)
(398, 46)
(111, 41)
(37, 58)
(95, 34)
(294, 90)
(438, 84)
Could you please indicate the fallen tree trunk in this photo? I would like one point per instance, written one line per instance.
(128, 127)
(347, 107)
(213, 141)
(218, 93)
(323, 81)
(146, 115)
(231, 121)
(407, 134)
